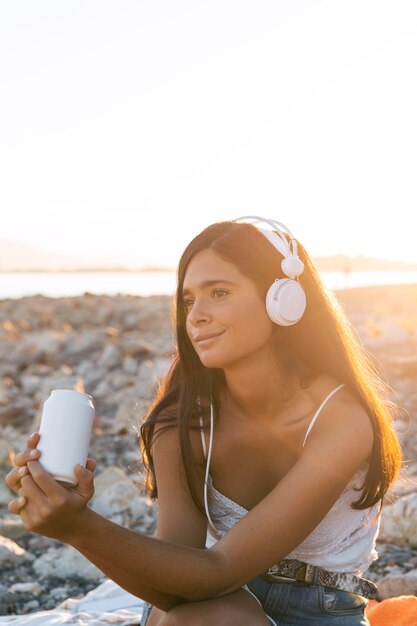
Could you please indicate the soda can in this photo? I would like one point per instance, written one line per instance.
(65, 433)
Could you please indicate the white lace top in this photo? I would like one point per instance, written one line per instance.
(344, 541)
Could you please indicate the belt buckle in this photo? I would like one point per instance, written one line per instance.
(308, 573)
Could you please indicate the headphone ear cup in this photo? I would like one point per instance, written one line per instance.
(285, 302)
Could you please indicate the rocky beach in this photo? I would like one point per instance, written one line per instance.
(116, 348)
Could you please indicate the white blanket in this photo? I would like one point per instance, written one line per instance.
(107, 604)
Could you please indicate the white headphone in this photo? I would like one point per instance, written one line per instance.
(285, 300)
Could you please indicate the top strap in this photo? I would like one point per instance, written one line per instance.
(319, 409)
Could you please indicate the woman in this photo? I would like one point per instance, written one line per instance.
(271, 392)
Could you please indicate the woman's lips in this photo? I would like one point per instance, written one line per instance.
(206, 342)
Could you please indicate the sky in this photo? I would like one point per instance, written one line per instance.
(126, 127)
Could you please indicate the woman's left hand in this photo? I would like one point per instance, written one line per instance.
(45, 506)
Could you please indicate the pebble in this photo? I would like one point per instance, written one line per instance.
(30, 606)
(11, 553)
(399, 521)
(59, 592)
(8, 601)
(33, 588)
(65, 562)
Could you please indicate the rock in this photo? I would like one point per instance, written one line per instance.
(62, 563)
(11, 554)
(115, 493)
(90, 373)
(120, 380)
(393, 570)
(107, 478)
(8, 369)
(30, 383)
(381, 332)
(59, 593)
(4, 452)
(111, 357)
(83, 343)
(161, 366)
(38, 543)
(7, 600)
(13, 434)
(150, 373)
(38, 346)
(11, 526)
(32, 605)
(405, 484)
(399, 521)
(131, 344)
(131, 321)
(4, 397)
(111, 331)
(102, 390)
(5, 494)
(129, 415)
(400, 585)
(130, 365)
(16, 413)
(120, 497)
(404, 366)
(33, 588)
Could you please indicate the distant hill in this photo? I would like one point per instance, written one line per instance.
(15, 256)
(342, 263)
(18, 257)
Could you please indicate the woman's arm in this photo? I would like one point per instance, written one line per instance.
(336, 448)
(144, 564)
(179, 521)
(134, 560)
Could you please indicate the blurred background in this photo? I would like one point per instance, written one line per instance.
(127, 127)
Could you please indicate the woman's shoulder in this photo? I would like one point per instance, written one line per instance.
(342, 410)
(172, 436)
(324, 384)
(343, 433)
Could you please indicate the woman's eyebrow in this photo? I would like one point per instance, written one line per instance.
(209, 283)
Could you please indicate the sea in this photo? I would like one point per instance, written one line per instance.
(14, 285)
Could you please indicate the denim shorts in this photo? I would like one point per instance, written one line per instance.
(295, 603)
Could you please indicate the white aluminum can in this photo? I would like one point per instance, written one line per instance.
(65, 433)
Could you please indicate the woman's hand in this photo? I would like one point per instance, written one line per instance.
(44, 505)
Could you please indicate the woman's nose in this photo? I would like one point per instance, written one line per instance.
(198, 313)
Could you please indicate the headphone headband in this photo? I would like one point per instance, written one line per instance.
(277, 235)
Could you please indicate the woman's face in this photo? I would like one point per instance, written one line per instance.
(226, 319)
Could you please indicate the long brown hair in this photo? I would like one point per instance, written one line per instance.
(322, 342)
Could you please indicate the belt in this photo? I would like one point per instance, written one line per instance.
(314, 575)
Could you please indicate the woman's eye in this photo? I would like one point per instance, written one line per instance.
(221, 292)
(188, 302)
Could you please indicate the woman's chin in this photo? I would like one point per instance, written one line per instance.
(212, 361)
